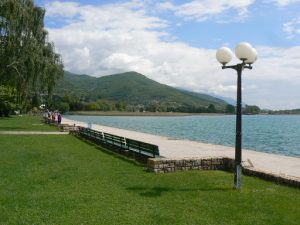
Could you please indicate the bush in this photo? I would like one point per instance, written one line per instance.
(63, 107)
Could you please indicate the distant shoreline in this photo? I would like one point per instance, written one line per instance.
(166, 114)
(116, 113)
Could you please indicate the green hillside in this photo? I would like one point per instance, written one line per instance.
(134, 90)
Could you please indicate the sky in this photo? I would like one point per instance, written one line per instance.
(174, 42)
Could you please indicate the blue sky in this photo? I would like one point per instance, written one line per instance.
(174, 42)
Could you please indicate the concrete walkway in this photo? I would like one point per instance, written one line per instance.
(179, 149)
(32, 132)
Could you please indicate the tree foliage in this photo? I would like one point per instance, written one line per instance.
(230, 109)
(251, 109)
(7, 100)
(28, 62)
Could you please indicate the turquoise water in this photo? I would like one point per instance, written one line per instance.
(273, 134)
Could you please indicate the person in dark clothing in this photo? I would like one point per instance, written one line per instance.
(59, 118)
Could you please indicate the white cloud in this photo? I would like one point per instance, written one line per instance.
(292, 28)
(201, 10)
(65, 9)
(275, 79)
(285, 2)
(119, 38)
(165, 6)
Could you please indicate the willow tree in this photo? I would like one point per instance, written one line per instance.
(28, 61)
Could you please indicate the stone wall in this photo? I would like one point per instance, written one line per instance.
(164, 165)
(277, 178)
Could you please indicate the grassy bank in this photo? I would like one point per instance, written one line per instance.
(24, 123)
(63, 180)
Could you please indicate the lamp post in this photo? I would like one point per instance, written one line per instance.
(248, 55)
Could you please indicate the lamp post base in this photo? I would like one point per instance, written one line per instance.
(237, 176)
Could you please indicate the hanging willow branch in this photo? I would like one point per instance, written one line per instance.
(28, 62)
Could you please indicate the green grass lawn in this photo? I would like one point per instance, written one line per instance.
(59, 179)
(24, 123)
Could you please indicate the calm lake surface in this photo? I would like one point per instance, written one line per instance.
(273, 134)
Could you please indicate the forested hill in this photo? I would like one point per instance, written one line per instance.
(133, 91)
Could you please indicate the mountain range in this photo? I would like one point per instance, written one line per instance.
(135, 90)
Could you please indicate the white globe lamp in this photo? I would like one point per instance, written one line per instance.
(224, 55)
(253, 57)
(243, 51)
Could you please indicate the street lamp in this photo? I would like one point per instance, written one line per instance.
(248, 55)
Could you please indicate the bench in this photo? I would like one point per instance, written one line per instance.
(86, 132)
(142, 148)
(67, 127)
(82, 131)
(97, 136)
(126, 145)
(115, 140)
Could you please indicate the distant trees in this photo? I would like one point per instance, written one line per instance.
(251, 109)
(230, 109)
(211, 108)
(29, 65)
(248, 109)
(281, 112)
(62, 107)
(73, 103)
(121, 106)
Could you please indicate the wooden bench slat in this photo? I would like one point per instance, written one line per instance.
(115, 140)
(142, 147)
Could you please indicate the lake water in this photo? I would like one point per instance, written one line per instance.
(273, 134)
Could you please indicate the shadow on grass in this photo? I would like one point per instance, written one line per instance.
(112, 153)
(150, 192)
(158, 191)
(120, 156)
